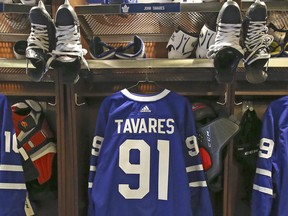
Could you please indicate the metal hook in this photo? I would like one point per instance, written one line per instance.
(237, 104)
(146, 77)
(225, 100)
(52, 104)
(76, 100)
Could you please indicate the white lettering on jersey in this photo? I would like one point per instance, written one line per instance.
(266, 148)
(96, 145)
(192, 145)
(142, 169)
(143, 128)
(142, 125)
(170, 125)
(152, 125)
(135, 125)
(160, 126)
(118, 122)
(127, 127)
(9, 142)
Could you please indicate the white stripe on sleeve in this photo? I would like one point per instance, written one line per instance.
(13, 186)
(263, 172)
(194, 168)
(92, 168)
(13, 168)
(198, 184)
(263, 189)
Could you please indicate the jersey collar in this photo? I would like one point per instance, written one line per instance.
(145, 97)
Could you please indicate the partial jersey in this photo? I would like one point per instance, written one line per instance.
(270, 188)
(12, 184)
(145, 158)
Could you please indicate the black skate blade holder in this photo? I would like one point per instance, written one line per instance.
(226, 62)
(256, 72)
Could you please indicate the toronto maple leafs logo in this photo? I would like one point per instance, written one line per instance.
(125, 9)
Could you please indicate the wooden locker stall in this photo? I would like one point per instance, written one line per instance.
(183, 76)
(17, 87)
(88, 95)
(257, 96)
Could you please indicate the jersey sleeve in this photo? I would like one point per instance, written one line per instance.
(262, 195)
(12, 183)
(95, 150)
(200, 197)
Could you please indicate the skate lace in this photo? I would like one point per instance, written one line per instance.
(257, 37)
(38, 37)
(227, 36)
(68, 41)
(68, 44)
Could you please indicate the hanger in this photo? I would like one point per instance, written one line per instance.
(146, 86)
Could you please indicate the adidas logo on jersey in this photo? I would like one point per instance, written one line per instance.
(145, 109)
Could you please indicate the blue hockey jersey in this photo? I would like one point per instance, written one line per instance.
(270, 188)
(12, 183)
(145, 158)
